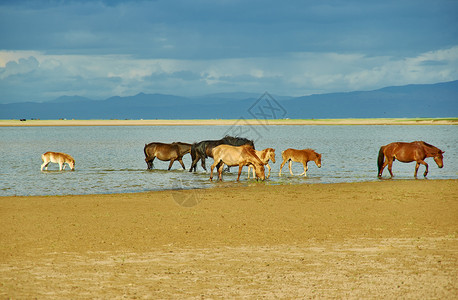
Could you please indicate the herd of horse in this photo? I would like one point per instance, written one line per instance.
(237, 151)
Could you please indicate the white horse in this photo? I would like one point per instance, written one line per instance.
(58, 158)
(264, 155)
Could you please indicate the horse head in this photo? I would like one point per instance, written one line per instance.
(439, 159)
(72, 165)
(318, 160)
(272, 154)
(260, 171)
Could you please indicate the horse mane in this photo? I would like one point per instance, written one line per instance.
(235, 139)
(313, 151)
(430, 146)
(251, 150)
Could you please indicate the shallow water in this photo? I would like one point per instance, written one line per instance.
(110, 159)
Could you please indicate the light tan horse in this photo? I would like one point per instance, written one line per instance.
(236, 156)
(58, 158)
(302, 156)
(264, 155)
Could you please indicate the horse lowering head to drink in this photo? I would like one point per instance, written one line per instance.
(264, 155)
(58, 158)
(202, 150)
(408, 152)
(166, 152)
(236, 156)
(302, 156)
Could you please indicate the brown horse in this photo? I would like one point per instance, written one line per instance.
(408, 152)
(264, 155)
(302, 156)
(166, 152)
(236, 156)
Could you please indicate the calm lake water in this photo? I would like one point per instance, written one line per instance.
(111, 160)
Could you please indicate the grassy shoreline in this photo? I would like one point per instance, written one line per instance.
(228, 122)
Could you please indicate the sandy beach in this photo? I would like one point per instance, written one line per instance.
(385, 239)
(216, 122)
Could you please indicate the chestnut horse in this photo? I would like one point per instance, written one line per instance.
(166, 152)
(58, 158)
(302, 156)
(236, 156)
(264, 155)
(408, 152)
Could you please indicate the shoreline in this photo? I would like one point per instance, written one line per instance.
(230, 122)
(228, 185)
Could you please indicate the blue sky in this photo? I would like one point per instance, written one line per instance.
(100, 49)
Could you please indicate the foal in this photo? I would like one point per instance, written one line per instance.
(302, 156)
(59, 158)
(264, 155)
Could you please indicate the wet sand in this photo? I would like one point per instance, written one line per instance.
(386, 121)
(384, 239)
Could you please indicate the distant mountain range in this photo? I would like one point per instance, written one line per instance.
(410, 101)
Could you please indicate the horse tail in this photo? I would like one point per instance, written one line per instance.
(381, 159)
(283, 154)
(193, 151)
(144, 150)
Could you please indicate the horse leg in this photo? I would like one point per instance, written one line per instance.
(426, 171)
(305, 170)
(45, 165)
(60, 166)
(180, 160)
(268, 167)
(290, 170)
(390, 166)
(418, 165)
(202, 160)
(220, 171)
(194, 164)
(149, 162)
(171, 163)
(386, 162)
(281, 166)
(240, 172)
(249, 170)
(211, 170)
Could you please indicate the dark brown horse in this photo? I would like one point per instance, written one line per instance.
(202, 150)
(408, 152)
(166, 152)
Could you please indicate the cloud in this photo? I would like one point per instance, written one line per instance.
(23, 66)
(99, 49)
(227, 29)
(50, 76)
